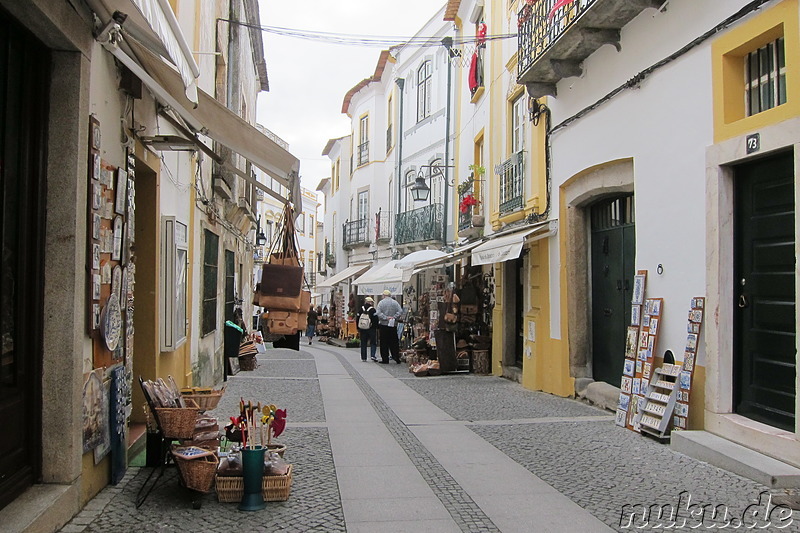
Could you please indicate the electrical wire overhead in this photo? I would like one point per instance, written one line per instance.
(367, 40)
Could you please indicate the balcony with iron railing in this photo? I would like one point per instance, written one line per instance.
(354, 233)
(330, 256)
(552, 43)
(511, 176)
(420, 225)
(363, 153)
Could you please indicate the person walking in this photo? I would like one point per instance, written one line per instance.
(311, 324)
(389, 312)
(369, 335)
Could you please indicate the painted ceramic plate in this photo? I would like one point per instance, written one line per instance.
(111, 322)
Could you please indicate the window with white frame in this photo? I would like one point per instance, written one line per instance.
(765, 77)
(518, 124)
(363, 140)
(174, 262)
(411, 176)
(424, 76)
(436, 183)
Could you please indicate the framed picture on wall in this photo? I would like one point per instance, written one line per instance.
(636, 311)
(121, 192)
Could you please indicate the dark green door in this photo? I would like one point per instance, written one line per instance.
(613, 249)
(24, 102)
(764, 278)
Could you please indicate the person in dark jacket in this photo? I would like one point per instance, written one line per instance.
(368, 336)
(311, 324)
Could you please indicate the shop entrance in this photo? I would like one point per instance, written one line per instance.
(764, 288)
(25, 64)
(613, 248)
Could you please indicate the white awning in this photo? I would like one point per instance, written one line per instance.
(386, 277)
(345, 274)
(153, 23)
(213, 119)
(503, 248)
(451, 257)
(412, 259)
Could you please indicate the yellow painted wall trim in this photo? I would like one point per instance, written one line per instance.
(728, 53)
(511, 64)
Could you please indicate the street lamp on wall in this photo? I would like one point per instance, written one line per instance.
(261, 239)
(421, 190)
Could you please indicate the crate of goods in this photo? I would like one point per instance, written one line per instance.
(178, 422)
(273, 488)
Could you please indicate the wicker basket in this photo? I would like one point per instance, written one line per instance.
(248, 362)
(198, 473)
(206, 402)
(178, 423)
(273, 488)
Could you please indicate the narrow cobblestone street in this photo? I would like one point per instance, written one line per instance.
(376, 449)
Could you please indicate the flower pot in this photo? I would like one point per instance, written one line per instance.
(478, 221)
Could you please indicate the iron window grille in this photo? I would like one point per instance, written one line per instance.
(765, 77)
(512, 175)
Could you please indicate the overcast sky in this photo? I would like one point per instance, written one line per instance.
(308, 79)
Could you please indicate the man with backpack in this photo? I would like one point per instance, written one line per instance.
(367, 324)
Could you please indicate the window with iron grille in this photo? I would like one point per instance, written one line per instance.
(210, 270)
(765, 77)
(424, 75)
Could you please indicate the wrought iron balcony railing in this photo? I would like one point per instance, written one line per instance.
(355, 232)
(512, 178)
(424, 224)
(538, 32)
(363, 153)
(330, 257)
(552, 43)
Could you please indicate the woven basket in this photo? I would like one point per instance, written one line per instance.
(248, 362)
(273, 488)
(206, 402)
(178, 423)
(198, 473)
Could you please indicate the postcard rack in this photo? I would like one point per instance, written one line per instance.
(660, 399)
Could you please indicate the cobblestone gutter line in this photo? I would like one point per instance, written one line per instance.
(466, 513)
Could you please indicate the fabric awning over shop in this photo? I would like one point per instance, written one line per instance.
(455, 255)
(152, 23)
(345, 274)
(212, 119)
(505, 247)
(386, 277)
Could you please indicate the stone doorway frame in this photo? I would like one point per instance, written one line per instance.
(612, 178)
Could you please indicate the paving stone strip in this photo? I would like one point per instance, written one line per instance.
(465, 512)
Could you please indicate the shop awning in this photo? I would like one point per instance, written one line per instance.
(509, 246)
(386, 277)
(212, 119)
(451, 257)
(345, 274)
(153, 23)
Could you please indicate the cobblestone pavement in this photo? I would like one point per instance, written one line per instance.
(574, 447)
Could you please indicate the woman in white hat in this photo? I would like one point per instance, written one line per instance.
(368, 335)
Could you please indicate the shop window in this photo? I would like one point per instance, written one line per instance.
(210, 271)
(765, 77)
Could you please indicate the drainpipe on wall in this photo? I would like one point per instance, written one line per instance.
(233, 97)
(448, 43)
(400, 84)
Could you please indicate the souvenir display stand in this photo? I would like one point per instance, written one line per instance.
(179, 418)
(448, 326)
(660, 398)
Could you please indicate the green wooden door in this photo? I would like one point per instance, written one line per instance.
(613, 248)
(764, 278)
